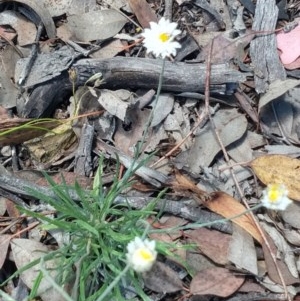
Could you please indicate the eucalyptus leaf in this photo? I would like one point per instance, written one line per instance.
(96, 25)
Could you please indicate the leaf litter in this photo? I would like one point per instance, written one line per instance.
(259, 133)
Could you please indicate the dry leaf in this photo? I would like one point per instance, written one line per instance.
(52, 146)
(294, 65)
(143, 12)
(3, 205)
(197, 262)
(250, 286)
(272, 270)
(212, 243)
(12, 209)
(42, 13)
(60, 7)
(231, 126)
(8, 92)
(96, 25)
(242, 251)
(279, 169)
(11, 131)
(4, 244)
(291, 215)
(283, 250)
(216, 281)
(185, 187)
(126, 139)
(25, 29)
(108, 50)
(167, 222)
(69, 178)
(116, 102)
(289, 45)
(225, 205)
(162, 108)
(162, 279)
(226, 48)
(276, 89)
(25, 251)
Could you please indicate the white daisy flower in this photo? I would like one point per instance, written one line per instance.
(159, 38)
(141, 254)
(275, 197)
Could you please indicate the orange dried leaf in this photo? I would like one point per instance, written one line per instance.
(185, 187)
(225, 205)
(279, 169)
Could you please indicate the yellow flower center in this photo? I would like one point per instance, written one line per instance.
(145, 254)
(164, 37)
(275, 193)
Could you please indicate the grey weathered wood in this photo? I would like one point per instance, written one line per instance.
(83, 158)
(10, 184)
(144, 73)
(186, 209)
(134, 73)
(263, 49)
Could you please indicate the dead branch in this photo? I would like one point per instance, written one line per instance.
(134, 73)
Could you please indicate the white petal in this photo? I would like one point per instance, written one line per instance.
(172, 27)
(155, 45)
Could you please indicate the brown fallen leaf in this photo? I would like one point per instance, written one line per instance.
(18, 130)
(245, 103)
(68, 177)
(170, 237)
(250, 286)
(168, 222)
(143, 12)
(185, 187)
(126, 139)
(212, 243)
(216, 281)
(225, 205)
(279, 169)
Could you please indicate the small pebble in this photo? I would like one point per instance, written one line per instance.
(6, 151)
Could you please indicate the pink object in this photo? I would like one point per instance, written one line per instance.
(289, 45)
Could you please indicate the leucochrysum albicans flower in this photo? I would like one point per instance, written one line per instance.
(141, 254)
(275, 197)
(159, 38)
